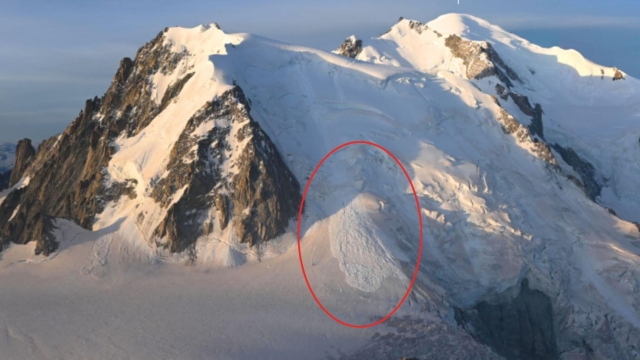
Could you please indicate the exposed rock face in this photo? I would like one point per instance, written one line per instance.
(351, 47)
(481, 60)
(65, 180)
(517, 328)
(512, 126)
(128, 102)
(585, 170)
(67, 175)
(617, 74)
(419, 27)
(536, 126)
(260, 193)
(588, 177)
(524, 105)
(173, 91)
(24, 154)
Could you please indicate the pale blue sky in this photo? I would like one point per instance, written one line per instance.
(55, 54)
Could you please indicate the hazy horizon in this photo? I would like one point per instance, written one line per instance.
(54, 56)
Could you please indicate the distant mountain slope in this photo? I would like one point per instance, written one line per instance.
(4, 180)
(525, 161)
(7, 156)
(7, 159)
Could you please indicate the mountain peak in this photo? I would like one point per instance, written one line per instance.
(464, 25)
(461, 20)
(351, 47)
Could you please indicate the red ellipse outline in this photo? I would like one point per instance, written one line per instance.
(415, 272)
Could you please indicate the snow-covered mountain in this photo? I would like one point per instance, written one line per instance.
(525, 161)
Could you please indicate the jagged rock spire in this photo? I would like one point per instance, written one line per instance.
(24, 154)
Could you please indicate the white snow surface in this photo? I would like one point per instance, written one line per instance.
(361, 252)
(493, 212)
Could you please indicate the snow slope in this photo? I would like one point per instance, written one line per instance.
(494, 211)
(583, 108)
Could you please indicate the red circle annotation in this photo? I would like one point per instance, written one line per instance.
(415, 271)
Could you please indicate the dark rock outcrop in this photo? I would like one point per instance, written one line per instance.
(261, 195)
(417, 26)
(24, 154)
(536, 126)
(481, 60)
(173, 90)
(351, 47)
(65, 181)
(583, 168)
(502, 92)
(617, 75)
(128, 102)
(420, 28)
(518, 328)
(512, 126)
(535, 112)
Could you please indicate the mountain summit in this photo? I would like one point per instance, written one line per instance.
(525, 161)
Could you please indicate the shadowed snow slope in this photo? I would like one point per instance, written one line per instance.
(525, 161)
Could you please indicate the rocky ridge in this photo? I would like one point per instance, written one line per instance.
(261, 195)
(350, 48)
(482, 61)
